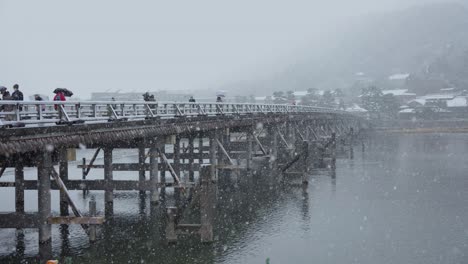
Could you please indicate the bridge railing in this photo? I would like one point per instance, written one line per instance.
(38, 113)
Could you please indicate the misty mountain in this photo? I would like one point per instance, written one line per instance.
(430, 42)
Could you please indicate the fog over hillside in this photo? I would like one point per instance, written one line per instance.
(428, 41)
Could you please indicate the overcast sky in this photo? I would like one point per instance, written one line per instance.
(111, 45)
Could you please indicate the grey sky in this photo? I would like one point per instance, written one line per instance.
(151, 45)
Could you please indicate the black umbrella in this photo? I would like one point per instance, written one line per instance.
(65, 91)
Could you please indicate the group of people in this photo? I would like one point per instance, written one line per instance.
(147, 97)
(17, 95)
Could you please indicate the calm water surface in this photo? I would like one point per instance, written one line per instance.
(403, 200)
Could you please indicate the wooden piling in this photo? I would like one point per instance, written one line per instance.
(153, 159)
(92, 213)
(19, 186)
(63, 173)
(141, 162)
(200, 148)
(249, 149)
(162, 150)
(333, 150)
(108, 178)
(213, 149)
(44, 206)
(207, 204)
(171, 235)
(191, 157)
(305, 162)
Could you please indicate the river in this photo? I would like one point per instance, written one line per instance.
(402, 200)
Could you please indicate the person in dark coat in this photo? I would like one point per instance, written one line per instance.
(17, 94)
(3, 90)
(7, 108)
(191, 100)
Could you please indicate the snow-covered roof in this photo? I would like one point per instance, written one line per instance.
(438, 97)
(420, 101)
(397, 92)
(300, 93)
(447, 89)
(408, 110)
(457, 102)
(260, 98)
(399, 76)
(356, 108)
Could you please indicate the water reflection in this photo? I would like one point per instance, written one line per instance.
(402, 201)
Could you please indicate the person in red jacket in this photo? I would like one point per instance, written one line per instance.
(59, 96)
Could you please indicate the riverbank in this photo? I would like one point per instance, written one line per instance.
(423, 126)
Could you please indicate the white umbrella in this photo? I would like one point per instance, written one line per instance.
(221, 93)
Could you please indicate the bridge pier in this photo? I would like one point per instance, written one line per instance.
(141, 165)
(44, 205)
(154, 170)
(63, 172)
(19, 186)
(108, 179)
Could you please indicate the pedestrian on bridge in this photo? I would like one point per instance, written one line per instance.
(59, 96)
(3, 91)
(17, 95)
(7, 108)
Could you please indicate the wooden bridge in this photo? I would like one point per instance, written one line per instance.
(202, 140)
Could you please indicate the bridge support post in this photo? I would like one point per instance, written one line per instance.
(141, 167)
(153, 160)
(305, 162)
(162, 149)
(273, 138)
(171, 235)
(213, 149)
(249, 149)
(108, 178)
(191, 157)
(176, 167)
(19, 186)
(333, 151)
(92, 212)
(44, 206)
(351, 143)
(63, 172)
(200, 149)
(207, 204)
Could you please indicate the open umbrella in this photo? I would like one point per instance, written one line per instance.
(65, 91)
(221, 93)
